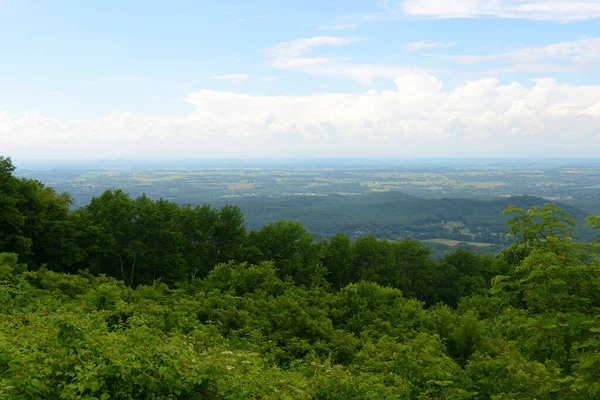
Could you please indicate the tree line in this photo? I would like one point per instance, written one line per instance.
(142, 240)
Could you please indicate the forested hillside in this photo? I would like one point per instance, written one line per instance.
(394, 214)
(137, 298)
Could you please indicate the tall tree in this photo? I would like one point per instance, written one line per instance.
(114, 217)
(287, 244)
(197, 225)
(338, 259)
(228, 233)
(12, 219)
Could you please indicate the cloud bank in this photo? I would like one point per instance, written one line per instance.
(417, 118)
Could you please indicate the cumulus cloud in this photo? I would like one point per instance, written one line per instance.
(418, 118)
(231, 77)
(295, 56)
(428, 44)
(556, 10)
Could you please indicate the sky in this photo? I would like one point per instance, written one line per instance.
(299, 79)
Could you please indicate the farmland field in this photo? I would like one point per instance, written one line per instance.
(452, 243)
(576, 182)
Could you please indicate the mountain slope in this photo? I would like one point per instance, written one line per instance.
(391, 214)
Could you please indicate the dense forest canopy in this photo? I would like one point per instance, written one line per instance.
(141, 298)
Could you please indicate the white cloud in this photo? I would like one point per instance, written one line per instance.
(417, 118)
(428, 44)
(231, 77)
(338, 27)
(556, 10)
(571, 56)
(296, 63)
(268, 78)
(298, 47)
(579, 51)
(294, 56)
(542, 67)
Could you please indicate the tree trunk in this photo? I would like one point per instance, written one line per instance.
(132, 271)
(122, 270)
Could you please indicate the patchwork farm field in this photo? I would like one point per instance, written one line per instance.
(576, 182)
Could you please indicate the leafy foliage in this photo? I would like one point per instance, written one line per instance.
(179, 302)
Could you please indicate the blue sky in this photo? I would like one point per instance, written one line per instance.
(150, 79)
